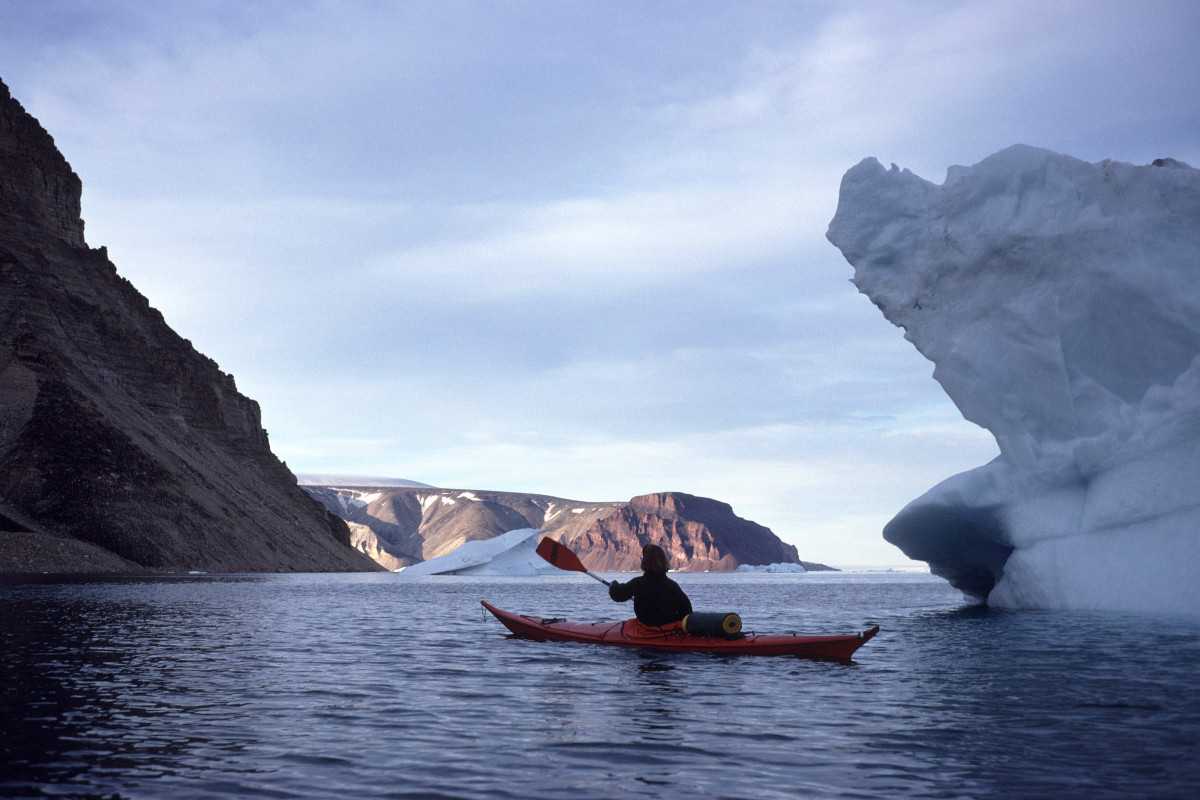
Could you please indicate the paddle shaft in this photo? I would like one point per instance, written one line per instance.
(597, 577)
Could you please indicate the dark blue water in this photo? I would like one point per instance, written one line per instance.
(322, 686)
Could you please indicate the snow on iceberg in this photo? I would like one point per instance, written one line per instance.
(779, 567)
(512, 553)
(1060, 304)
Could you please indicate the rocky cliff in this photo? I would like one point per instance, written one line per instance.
(402, 526)
(121, 447)
(699, 535)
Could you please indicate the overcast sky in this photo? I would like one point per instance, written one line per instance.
(575, 248)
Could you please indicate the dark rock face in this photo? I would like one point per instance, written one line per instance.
(698, 535)
(39, 192)
(121, 447)
(402, 526)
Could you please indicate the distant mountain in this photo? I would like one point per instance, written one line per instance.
(321, 479)
(399, 526)
(700, 535)
(121, 447)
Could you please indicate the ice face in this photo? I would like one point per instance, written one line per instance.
(780, 567)
(1060, 304)
(513, 553)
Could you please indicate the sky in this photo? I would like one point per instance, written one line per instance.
(575, 248)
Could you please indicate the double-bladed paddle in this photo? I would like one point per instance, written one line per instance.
(561, 556)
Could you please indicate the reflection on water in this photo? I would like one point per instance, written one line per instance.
(334, 686)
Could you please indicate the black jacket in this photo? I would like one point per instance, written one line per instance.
(657, 600)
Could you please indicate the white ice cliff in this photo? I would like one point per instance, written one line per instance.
(1060, 304)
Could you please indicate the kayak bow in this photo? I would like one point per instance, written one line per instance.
(630, 633)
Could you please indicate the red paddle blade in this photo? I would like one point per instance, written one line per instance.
(559, 555)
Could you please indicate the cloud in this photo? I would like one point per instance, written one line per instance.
(598, 245)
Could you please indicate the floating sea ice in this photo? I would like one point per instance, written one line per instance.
(770, 568)
(1060, 304)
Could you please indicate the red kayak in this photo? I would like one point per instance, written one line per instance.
(631, 633)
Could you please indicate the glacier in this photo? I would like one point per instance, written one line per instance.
(512, 553)
(1059, 301)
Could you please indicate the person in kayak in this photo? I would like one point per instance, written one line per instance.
(657, 600)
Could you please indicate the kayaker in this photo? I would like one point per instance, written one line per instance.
(657, 600)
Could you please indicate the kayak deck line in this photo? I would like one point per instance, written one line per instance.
(672, 639)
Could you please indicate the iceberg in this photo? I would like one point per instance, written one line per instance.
(512, 553)
(778, 567)
(1059, 302)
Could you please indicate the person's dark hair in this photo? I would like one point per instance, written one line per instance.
(654, 559)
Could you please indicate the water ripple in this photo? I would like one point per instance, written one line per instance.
(364, 686)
